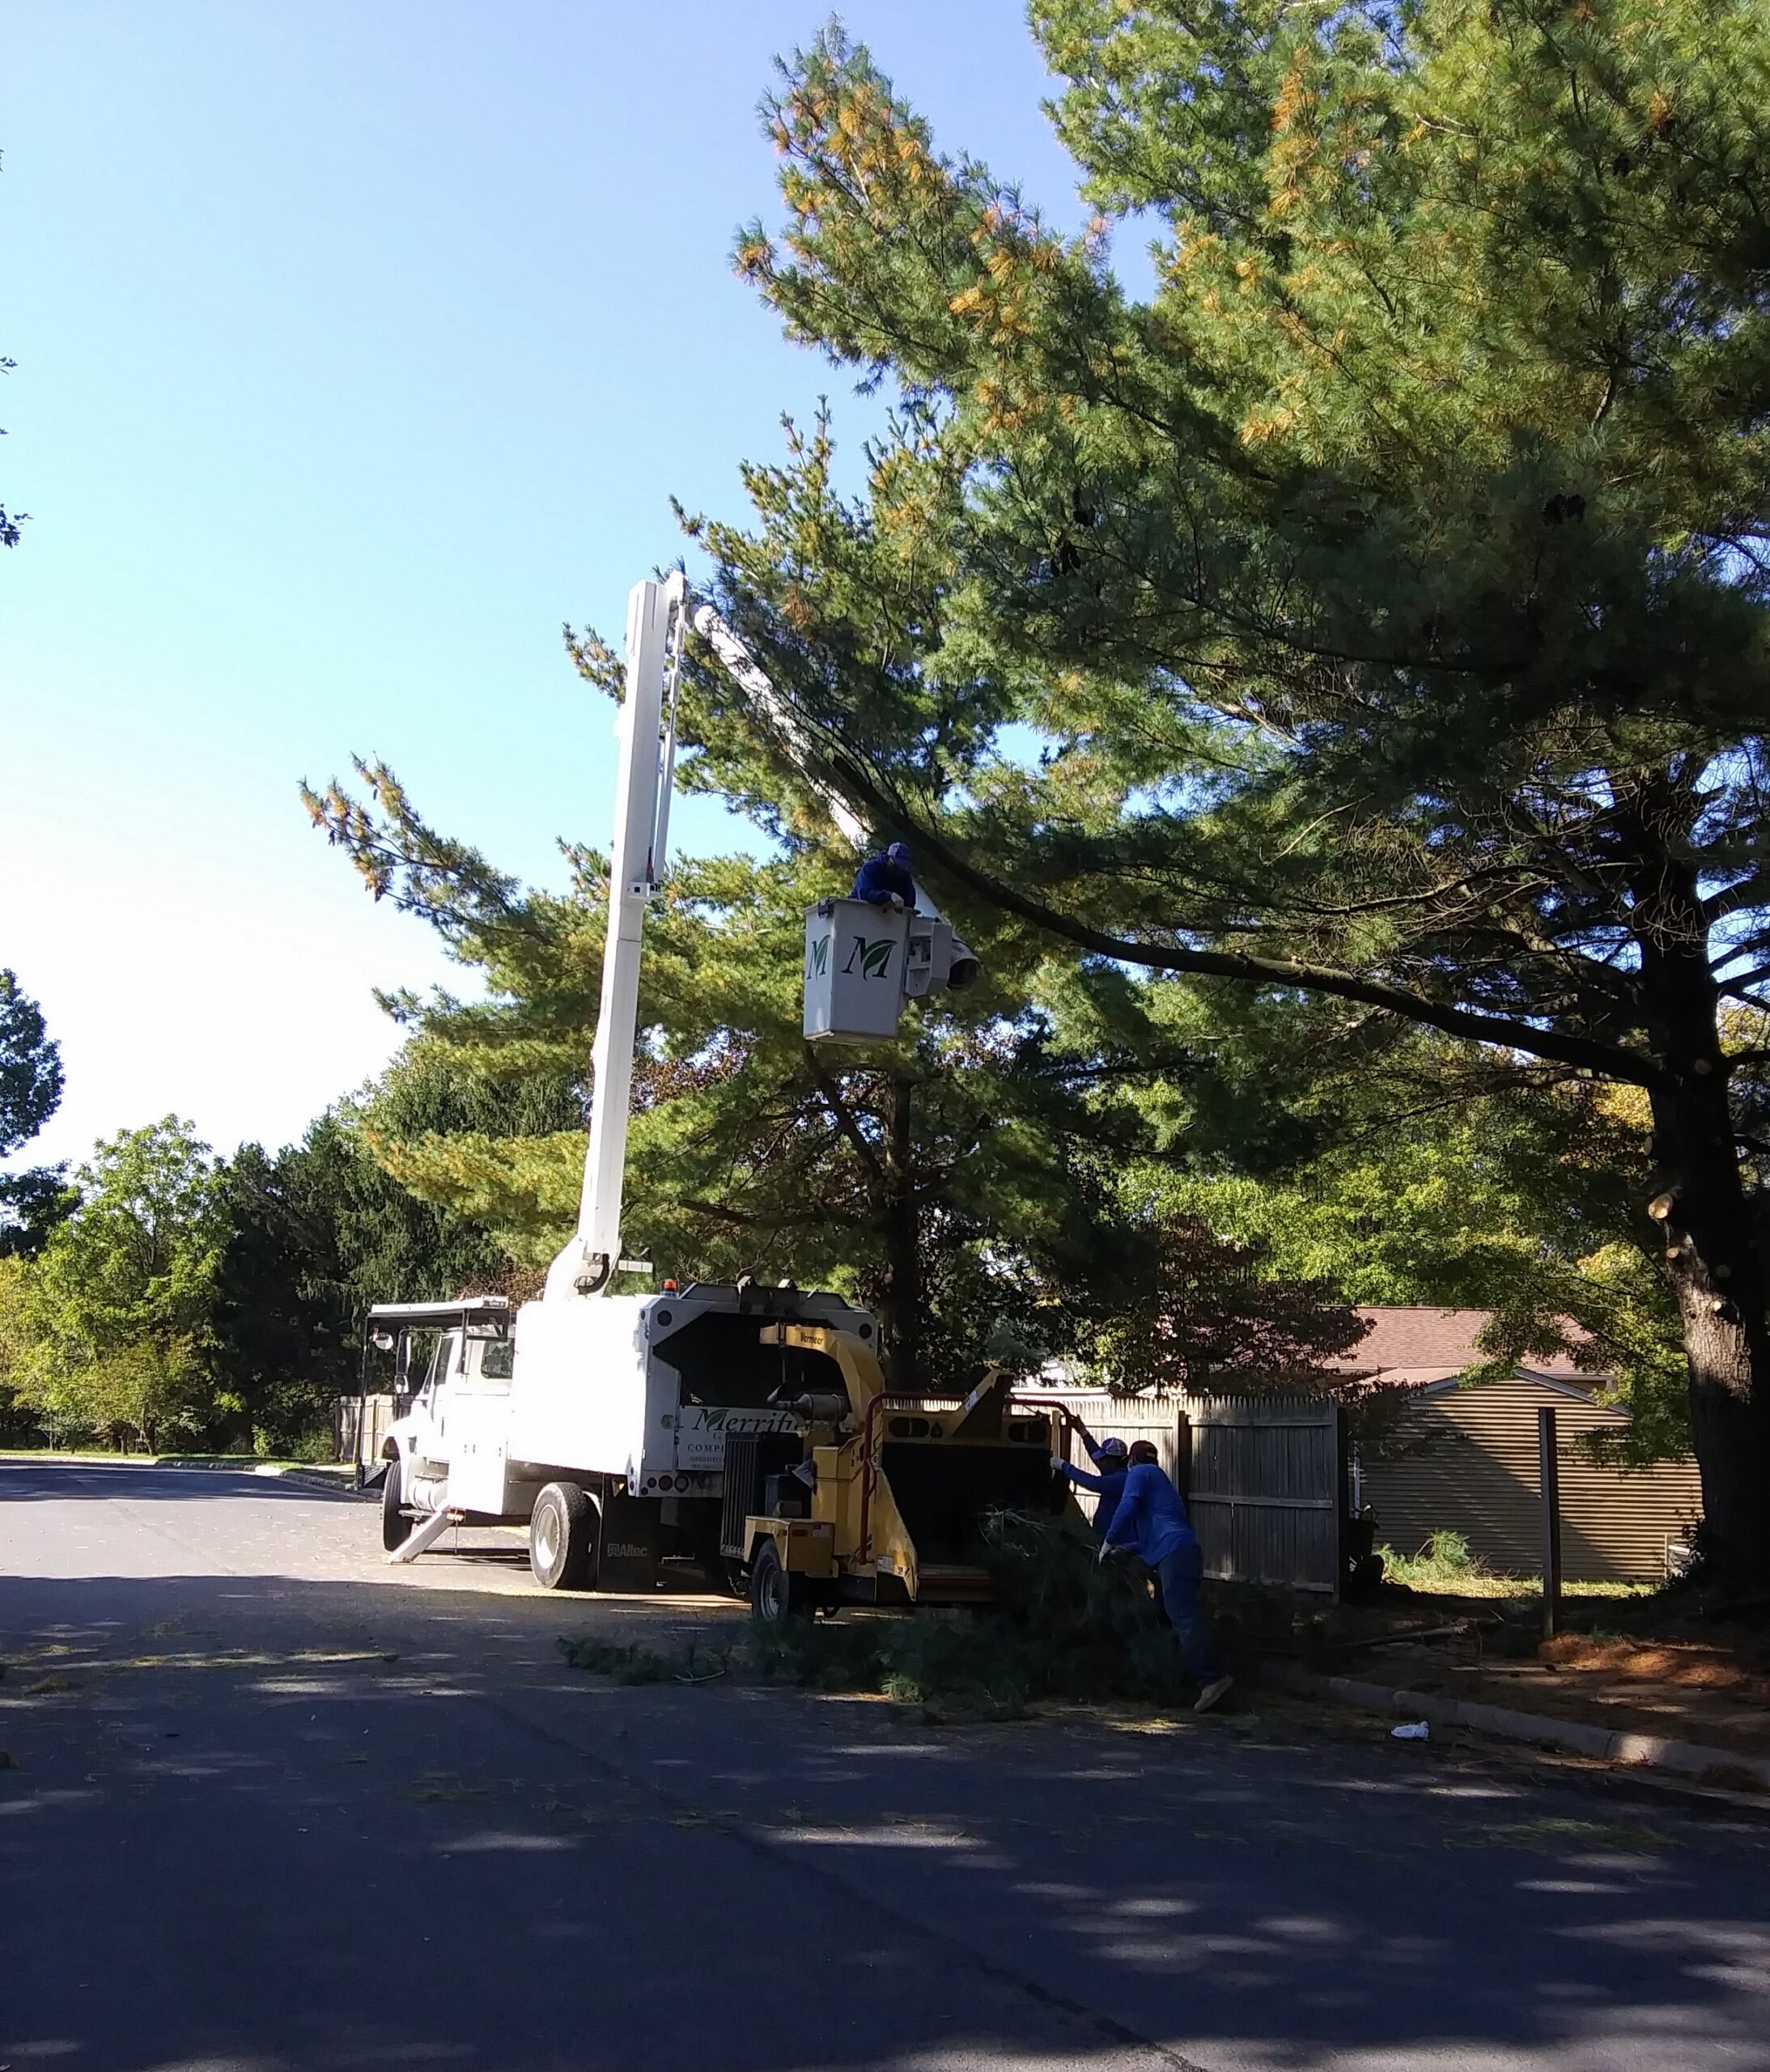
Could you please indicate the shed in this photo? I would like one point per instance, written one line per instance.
(1463, 1457)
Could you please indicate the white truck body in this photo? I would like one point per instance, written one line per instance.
(634, 1397)
(631, 1392)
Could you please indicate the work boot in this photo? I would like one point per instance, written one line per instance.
(1213, 1692)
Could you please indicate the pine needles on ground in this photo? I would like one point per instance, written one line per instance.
(1061, 1628)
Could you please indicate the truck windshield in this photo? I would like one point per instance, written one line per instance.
(720, 1361)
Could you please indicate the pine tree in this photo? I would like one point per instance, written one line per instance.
(933, 1177)
(1384, 599)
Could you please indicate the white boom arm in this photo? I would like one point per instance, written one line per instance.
(645, 729)
(658, 617)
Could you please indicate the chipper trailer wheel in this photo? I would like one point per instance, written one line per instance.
(563, 1538)
(775, 1595)
(396, 1526)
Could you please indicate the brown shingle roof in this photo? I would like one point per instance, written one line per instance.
(1409, 1344)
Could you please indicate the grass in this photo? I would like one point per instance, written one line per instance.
(1445, 1567)
(632, 1662)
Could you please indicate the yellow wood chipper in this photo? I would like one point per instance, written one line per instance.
(879, 1496)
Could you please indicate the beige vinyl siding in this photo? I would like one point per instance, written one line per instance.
(1471, 1467)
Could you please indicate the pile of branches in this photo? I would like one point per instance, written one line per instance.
(1061, 1627)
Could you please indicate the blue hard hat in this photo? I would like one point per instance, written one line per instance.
(898, 854)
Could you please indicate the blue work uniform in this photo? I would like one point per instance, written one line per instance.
(1110, 1485)
(1151, 1522)
(878, 878)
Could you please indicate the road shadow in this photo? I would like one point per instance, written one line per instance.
(264, 1823)
(31, 1482)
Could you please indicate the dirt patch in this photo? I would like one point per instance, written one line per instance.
(1689, 1665)
(1661, 1665)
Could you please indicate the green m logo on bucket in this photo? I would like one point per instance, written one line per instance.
(820, 957)
(875, 957)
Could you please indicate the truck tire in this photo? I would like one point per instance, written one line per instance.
(396, 1526)
(563, 1538)
(775, 1595)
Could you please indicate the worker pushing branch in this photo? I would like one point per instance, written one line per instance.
(1150, 1522)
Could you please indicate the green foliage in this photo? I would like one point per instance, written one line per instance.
(1418, 1178)
(950, 1179)
(626, 1662)
(194, 1301)
(1061, 1627)
(1384, 599)
(1205, 1315)
(922, 1176)
(109, 1329)
(324, 1229)
(1443, 1563)
(31, 1202)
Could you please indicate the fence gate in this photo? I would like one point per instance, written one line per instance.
(1265, 1482)
(357, 1437)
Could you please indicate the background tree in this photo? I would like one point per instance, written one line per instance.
(890, 1173)
(1414, 1171)
(31, 1080)
(110, 1329)
(1385, 596)
(319, 1232)
(11, 521)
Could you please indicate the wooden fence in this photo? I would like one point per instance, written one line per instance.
(1267, 1489)
(358, 1438)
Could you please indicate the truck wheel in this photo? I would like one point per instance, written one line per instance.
(563, 1538)
(396, 1526)
(774, 1594)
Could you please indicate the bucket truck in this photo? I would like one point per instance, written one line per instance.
(745, 1428)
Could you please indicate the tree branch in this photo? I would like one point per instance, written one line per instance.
(1611, 1060)
(843, 1117)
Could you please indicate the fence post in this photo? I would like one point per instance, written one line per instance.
(1341, 1497)
(1549, 1477)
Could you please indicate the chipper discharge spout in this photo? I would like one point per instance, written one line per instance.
(880, 1496)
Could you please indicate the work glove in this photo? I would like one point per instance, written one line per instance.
(1104, 1554)
(897, 903)
(1057, 1463)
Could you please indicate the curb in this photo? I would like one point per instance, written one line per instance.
(339, 1485)
(1631, 1751)
(309, 1476)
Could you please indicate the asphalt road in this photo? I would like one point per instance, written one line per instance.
(274, 1805)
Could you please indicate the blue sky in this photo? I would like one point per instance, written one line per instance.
(359, 345)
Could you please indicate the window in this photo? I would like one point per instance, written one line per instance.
(444, 1361)
(720, 1361)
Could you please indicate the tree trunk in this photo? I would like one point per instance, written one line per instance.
(900, 1307)
(1711, 1254)
(1719, 1278)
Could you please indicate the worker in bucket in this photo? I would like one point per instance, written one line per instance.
(1151, 1522)
(1110, 1458)
(886, 881)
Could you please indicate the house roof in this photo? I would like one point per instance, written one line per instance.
(1408, 1345)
